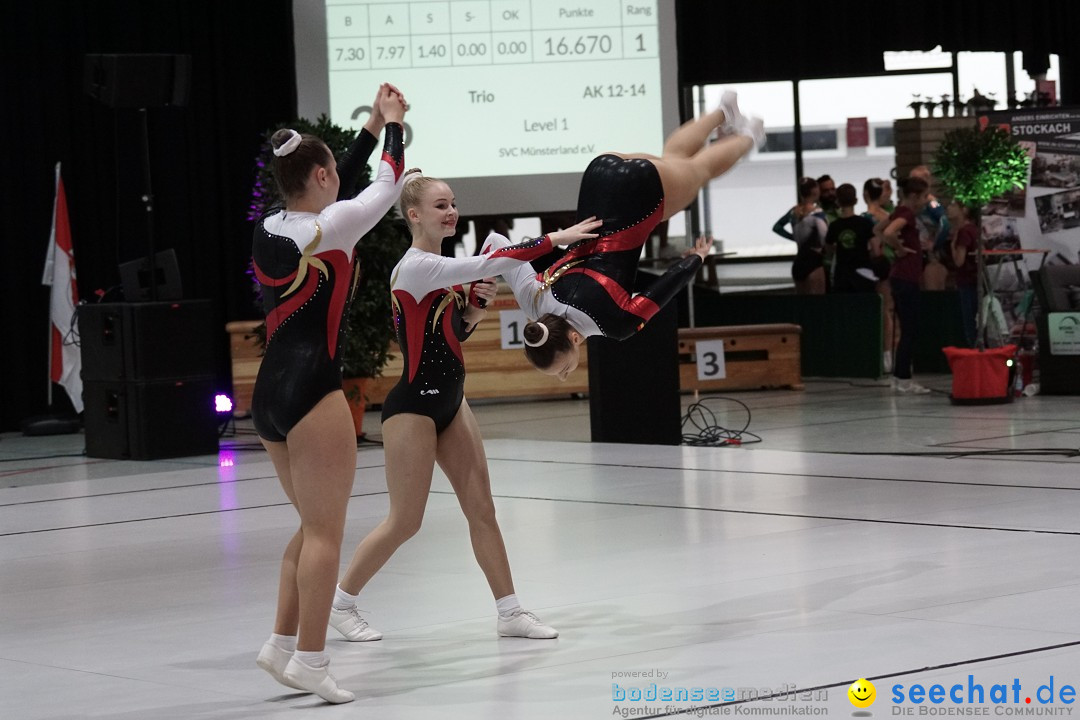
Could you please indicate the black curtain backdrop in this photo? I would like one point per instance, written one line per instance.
(242, 82)
(749, 42)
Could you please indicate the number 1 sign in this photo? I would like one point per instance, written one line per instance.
(511, 327)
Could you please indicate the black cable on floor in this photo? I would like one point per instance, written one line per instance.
(42, 457)
(701, 418)
(1062, 452)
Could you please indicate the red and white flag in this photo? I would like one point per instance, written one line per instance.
(66, 362)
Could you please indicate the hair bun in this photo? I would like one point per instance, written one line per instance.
(543, 334)
(289, 145)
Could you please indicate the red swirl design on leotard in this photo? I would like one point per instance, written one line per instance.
(282, 312)
(451, 337)
(629, 238)
(269, 281)
(638, 305)
(414, 314)
(342, 265)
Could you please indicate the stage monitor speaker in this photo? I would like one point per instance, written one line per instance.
(140, 283)
(634, 384)
(146, 341)
(150, 420)
(137, 80)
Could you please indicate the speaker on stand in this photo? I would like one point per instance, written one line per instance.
(147, 367)
(139, 82)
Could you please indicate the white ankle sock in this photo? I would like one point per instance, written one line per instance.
(312, 659)
(283, 642)
(343, 600)
(507, 606)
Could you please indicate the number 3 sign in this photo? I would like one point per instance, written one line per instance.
(710, 360)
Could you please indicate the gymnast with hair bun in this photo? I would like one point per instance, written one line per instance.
(303, 256)
(589, 290)
(425, 417)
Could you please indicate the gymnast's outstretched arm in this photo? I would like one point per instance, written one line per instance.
(346, 221)
(521, 277)
(351, 164)
(673, 280)
(426, 271)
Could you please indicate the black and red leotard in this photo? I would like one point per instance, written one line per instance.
(592, 285)
(428, 300)
(304, 262)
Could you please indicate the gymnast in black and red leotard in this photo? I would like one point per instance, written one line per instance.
(589, 290)
(303, 257)
(426, 418)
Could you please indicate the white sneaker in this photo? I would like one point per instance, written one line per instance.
(350, 624)
(526, 625)
(273, 660)
(729, 104)
(753, 128)
(910, 387)
(316, 680)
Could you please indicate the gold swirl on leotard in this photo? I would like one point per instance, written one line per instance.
(549, 277)
(308, 259)
(451, 296)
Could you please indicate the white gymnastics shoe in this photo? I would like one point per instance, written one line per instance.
(526, 625)
(316, 680)
(273, 660)
(354, 627)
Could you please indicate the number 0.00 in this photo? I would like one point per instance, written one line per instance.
(514, 47)
(471, 49)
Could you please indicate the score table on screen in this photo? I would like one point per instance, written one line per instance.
(502, 86)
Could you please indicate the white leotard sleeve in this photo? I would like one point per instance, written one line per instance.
(420, 272)
(345, 222)
(527, 291)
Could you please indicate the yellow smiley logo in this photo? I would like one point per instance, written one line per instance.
(862, 693)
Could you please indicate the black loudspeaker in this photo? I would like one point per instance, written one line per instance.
(137, 81)
(148, 384)
(149, 420)
(634, 384)
(146, 341)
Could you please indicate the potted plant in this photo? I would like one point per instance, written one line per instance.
(976, 165)
(369, 327)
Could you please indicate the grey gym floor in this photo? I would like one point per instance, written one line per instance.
(901, 539)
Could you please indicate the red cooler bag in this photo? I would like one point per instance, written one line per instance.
(981, 375)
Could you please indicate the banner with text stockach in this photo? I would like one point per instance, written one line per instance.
(1045, 216)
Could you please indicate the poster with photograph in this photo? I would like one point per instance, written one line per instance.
(1000, 233)
(1058, 211)
(1055, 170)
(1050, 220)
(1044, 218)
